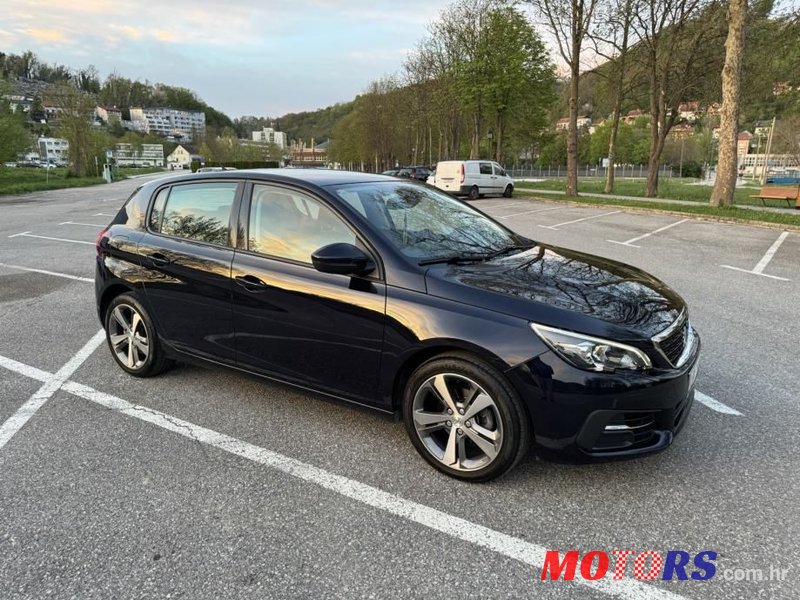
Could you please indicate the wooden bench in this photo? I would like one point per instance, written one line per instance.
(773, 192)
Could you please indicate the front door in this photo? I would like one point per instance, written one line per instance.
(292, 322)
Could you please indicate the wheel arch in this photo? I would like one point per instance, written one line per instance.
(111, 292)
(435, 349)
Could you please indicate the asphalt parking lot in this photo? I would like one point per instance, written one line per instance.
(207, 484)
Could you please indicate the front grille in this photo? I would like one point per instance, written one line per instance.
(673, 345)
(627, 431)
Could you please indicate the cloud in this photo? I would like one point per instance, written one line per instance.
(134, 33)
(164, 36)
(241, 56)
(45, 36)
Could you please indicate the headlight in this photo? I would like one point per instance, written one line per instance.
(591, 353)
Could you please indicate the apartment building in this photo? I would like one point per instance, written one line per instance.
(180, 125)
(54, 150)
(268, 135)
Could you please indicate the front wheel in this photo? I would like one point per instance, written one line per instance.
(464, 418)
(132, 338)
(508, 191)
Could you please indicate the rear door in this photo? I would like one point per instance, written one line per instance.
(188, 252)
(449, 176)
(292, 322)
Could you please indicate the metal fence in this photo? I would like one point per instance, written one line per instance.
(620, 171)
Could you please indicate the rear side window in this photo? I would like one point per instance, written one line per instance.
(198, 211)
(486, 168)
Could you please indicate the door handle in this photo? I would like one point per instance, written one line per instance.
(251, 283)
(159, 259)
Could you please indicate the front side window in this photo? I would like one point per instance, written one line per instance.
(198, 211)
(292, 225)
(425, 223)
(498, 170)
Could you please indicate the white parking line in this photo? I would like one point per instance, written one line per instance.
(53, 383)
(43, 272)
(646, 235)
(84, 224)
(531, 212)
(557, 225)
(45, 237)
(103, 215)
(762, 264)
(716, 404)
(517, 549)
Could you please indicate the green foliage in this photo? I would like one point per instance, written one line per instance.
(22, 180)
(725, 214)
(14, 137)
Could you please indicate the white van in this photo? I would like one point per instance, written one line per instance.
(472, 178)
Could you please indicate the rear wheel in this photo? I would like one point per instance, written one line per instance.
(132, 338)
(464, 418)
(508, 191)
(474, 193)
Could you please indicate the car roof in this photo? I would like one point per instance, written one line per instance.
(318, 177)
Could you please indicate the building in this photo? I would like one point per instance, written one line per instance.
(173, 124)
(108, 114)
(309, 156)
(268, 135)
(689, 111)
(753, 164)
(54, 150)
(681, 131)
(180, 158)
(632, 115)
(563, 124)
(743, 144)
(147, 155)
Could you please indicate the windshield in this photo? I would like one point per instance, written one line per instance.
(425, 223)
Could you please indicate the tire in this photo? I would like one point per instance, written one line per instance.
(489, 441)
(508, 191)
(143, 357)
(474, 193)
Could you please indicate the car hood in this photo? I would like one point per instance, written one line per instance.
(562, 288)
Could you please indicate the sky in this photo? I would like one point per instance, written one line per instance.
(243, 57)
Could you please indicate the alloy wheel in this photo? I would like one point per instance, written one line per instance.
(128, 335)
(458, 422)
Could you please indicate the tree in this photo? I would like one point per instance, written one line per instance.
(74, 124)
(614, 30)
(676, 52)
(727, 168)
(14, 137)
(569, 22)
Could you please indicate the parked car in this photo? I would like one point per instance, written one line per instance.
(418, 173)
(394, 295)
(214, 169)
(473, 178)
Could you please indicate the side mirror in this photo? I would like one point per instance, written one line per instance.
(342, 259)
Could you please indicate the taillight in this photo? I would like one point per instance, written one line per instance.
(462, 172)
(99, 239)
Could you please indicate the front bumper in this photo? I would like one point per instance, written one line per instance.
(583, 415)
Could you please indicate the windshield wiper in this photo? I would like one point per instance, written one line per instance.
(454, 259)
(460, 258)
